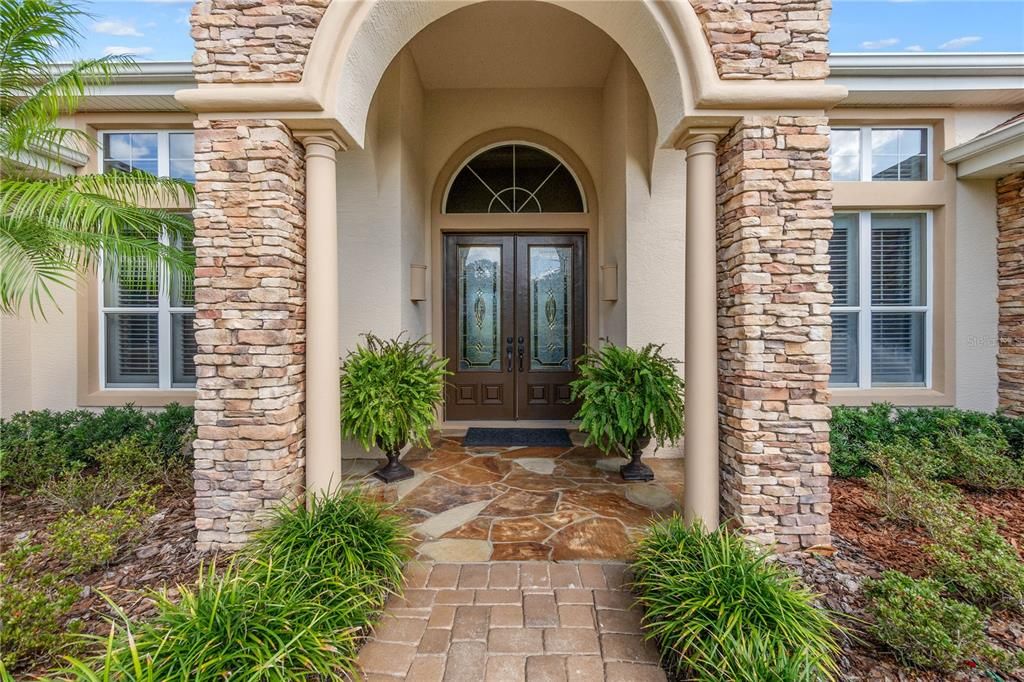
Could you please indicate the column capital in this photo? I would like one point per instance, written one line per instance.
(696, 136)
(314, 139)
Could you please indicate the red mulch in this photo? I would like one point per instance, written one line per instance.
(869, 543)
(900, 547)
(164, 558)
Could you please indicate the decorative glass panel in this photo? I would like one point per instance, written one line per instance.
(551, 308)
(183, 350)
(845, 364)
(897, 349)
(843, 252)
(479, 278)
(899, 154)
(897, 268)
(514, 178)
(130, 151)
(845, 154)
(132, 349)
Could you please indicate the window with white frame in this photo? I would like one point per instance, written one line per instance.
(167, 153)
(146, 332)
(881, 310)
(879, 154)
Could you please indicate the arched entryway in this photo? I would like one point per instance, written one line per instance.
(513, 217)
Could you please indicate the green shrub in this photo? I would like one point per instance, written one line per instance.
(718, 610)
(979, 461)
(390, 390)
(95, 538)
(37, 447)
(292, 607)
(972, 557)
(33, 605)
(855, 431)
(922, 627)
(902, 487)
(627, 395)
(122, 467)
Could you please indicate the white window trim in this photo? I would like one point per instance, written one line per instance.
(865, 309)
(865, 149)
(163, 146)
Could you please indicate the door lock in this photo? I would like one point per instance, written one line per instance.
(522, 352)
(508, 352)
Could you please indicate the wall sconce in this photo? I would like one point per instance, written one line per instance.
(609, 282)
(417, 282)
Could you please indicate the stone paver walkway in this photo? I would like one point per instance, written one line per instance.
(507, 621)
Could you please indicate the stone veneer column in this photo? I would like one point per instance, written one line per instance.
(323, 395)
(1010, 245)
(775, 220)
(250, 325)
(700, 495)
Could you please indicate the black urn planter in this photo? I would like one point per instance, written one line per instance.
(635, 470)
(394, 470)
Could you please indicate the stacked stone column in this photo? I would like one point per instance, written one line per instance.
(1010, 222)
(774, 223)
(250, 326)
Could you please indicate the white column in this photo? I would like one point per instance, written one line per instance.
(323, 430)
(701, 486)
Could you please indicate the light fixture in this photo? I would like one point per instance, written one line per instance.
(417, 282)
(609, 282)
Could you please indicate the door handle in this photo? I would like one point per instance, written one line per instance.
(522, 351)
(508, 352)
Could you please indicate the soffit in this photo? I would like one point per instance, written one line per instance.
(512, 45)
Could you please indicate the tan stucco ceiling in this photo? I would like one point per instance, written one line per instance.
(475, 48)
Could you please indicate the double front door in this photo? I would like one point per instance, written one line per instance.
(514, 324)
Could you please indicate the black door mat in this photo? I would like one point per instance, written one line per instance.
(507, 438)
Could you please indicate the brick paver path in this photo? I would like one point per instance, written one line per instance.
(506, 621)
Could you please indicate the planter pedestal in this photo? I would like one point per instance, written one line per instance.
(636, 470)
(394, 470)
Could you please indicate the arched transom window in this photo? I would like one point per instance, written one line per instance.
(514, 178)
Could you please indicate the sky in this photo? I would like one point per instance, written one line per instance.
(158, 30)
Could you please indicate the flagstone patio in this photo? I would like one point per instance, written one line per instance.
(524, 504)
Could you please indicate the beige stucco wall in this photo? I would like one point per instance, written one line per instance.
(976, 335)
(38, 358)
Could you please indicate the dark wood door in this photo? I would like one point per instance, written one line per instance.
(514, 323)
(549, 323)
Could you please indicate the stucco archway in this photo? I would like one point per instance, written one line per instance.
(356, 42)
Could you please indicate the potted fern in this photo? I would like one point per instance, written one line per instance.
(627, 398)
(390, 389)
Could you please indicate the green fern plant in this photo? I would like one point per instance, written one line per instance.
(627, 395)
(390, 389)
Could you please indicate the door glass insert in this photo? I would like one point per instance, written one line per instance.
(479, 307)
(551, 308)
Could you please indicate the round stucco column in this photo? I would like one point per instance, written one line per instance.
(323, 430)
(701, 486)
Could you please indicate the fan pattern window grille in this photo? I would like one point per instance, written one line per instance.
(514, 178)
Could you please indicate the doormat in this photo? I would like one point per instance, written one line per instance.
(507, 438)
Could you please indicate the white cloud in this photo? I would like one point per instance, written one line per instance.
(879, 44)
(129, 51)
(957, 43)
(914, 48)
(115, 27)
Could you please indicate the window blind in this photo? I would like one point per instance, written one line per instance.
(184, 349)
(845, 366)
(842, 250)
(896, 259)
(897, 348)
(132, 348)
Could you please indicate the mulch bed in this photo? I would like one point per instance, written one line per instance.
(164, 558)
(867, 544)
